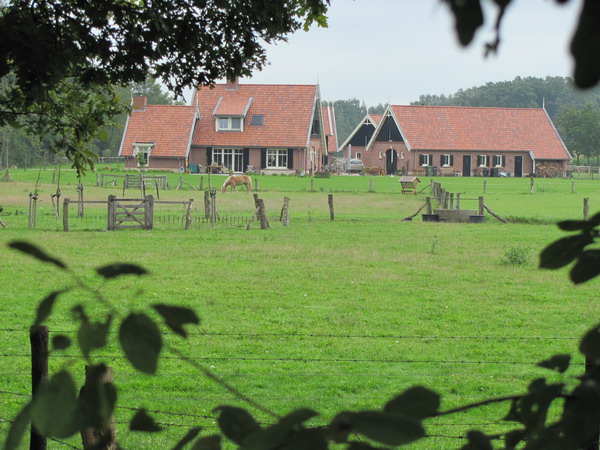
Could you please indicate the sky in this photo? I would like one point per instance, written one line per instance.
(392, 51)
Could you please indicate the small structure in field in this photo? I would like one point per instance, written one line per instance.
(409, 184)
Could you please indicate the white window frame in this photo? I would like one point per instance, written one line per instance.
(142, 148)
(446, 160)
(380, 155)
(227, 157)
(484, 160)
(358, 155)
(226, 123)
(427, 162)
(277, 158)
(499, 159)
(401, 155)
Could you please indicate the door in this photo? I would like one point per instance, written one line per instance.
(391, 161)
(518, 166)
(466, 166)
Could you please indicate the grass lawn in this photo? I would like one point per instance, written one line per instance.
(327, 315)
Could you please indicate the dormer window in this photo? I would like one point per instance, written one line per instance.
(229, 124)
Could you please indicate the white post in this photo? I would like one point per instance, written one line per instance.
(349, 158)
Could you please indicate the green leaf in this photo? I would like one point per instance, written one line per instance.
(44, 309)
(306, 439)
(176, 316)
(91, 335)
(54, 407)
(564, 251)
(469, 16)
(212, 442)
(574, 225)
(36, 252)
(18, 428)
(513, 438)
(236, 423)
(115, 270)
(386, 428)
(276, 435)
(590, 344)
(417, 402)
(61, 342)
(189, 437)
(585, 46)
(141, 421)
(559, 363)
(581, 415)
(478, 441)
(141, 341)
(586, 267)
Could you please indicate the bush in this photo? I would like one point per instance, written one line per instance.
(517, 256)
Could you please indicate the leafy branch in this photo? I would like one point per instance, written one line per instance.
(58, 412)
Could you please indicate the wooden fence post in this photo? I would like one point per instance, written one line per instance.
(66, 214)
(458, 200)
(480, 209)
(484, 186)
(428, 203)
(149, 212)
(446, 199)
(105, 439)
(38, 337)
(285, 212)
(531, 185)
(206, 204)
(262, 215)
(572, 187)
(451, 200)
(201, 182)
(188, 214)
(586, 208)
(331, 213)
(213, 206)
(80, 199)
(312, 184)
(32, 209)
(98, 180)
(111, 213)
(370, 184)
(256, 184)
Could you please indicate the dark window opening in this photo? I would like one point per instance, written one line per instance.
(257, 119)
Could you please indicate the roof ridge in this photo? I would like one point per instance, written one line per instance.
(466, 107)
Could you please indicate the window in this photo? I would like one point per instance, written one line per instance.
(229, 124)
(447, 160)
(380, 155)
(424, 160)
(257, 119)
(277, 159)
(141, 152)
(230, 158)
(499, 161)
(358, 155)
(401, 155)
(482, 160)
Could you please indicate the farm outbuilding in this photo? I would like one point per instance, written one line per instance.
(460, 141)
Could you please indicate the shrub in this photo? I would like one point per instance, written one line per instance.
(517, 256)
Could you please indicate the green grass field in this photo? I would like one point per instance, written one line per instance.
(327, 315)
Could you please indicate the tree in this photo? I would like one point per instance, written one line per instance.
(580, 129)
(63, 56)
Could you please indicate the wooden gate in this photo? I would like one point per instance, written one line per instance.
(130, 213)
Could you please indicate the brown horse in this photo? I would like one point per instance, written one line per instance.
(237, 180)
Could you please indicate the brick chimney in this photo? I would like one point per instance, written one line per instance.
(233, 85)
(139, 102)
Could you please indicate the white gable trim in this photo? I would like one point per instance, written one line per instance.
(356, 129)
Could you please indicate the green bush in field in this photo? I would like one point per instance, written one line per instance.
(517, 256)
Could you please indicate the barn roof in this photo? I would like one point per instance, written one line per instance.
(287, 112)
(329, 127)
(168, 127)
(455, 128)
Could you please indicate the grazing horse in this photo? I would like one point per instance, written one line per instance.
(237, 180)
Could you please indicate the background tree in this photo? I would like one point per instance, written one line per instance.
(580, 129)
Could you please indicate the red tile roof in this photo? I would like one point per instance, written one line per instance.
(484, 129)
(376, 118)
(168, 127)
(232, 106)
(287, 111)
(330, 128)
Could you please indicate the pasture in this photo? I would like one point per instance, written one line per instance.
(333, 316)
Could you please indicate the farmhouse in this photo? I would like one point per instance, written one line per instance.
(460, 141)
(233, 126)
